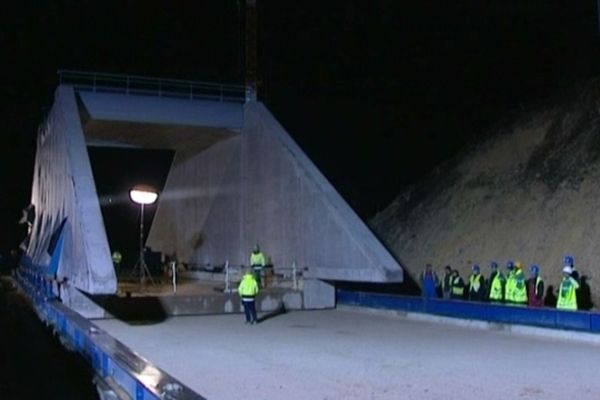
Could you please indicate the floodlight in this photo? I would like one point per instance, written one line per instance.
(142, 195)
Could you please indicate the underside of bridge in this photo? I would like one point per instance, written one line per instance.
(237, 179)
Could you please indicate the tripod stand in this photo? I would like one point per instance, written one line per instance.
(140, 268)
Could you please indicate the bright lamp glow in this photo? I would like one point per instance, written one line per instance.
(143, 195)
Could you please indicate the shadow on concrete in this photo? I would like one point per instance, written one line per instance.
(142, 310)
(279, 311)
(33, 362)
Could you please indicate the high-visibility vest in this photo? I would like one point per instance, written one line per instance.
(117, 257)
(520, 288)
(510, 286)
(257, 259)
(496, 287)
(248, 286)
(456, 289)
(475, 282)
(567, 298)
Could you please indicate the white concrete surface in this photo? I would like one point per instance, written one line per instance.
(348, 355)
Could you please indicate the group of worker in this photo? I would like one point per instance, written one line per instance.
(511, 289)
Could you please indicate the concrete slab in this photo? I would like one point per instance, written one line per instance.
(340, 354)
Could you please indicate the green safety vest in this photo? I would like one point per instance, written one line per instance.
(457, 290)
(520, 288)
(567, 298)
(257, 259)
(510, 286)
(475, 282)
(248, 286)
(116, 257)
(496, 287)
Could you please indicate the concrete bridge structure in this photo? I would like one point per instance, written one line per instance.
(237, 179)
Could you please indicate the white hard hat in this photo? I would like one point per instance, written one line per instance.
(567, 269)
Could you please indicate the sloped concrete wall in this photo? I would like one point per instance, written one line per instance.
(259, 187)
(63, 187)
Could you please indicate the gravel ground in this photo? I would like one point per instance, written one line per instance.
(349, 355)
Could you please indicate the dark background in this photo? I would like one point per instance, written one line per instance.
(376, 92)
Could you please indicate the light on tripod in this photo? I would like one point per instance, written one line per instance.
(142, 195)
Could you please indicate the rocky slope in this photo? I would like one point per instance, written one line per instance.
(528, 190)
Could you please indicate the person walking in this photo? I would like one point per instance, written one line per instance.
(429, 282)
(447, 282)
(257, 263)
(476, 284)
(496, 284)
(535, 287)
(248, 289)
(458, 286)
(567, 298)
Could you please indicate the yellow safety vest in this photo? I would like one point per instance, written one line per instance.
(520, 288)
(248, 286)
(510, 286)
(475, 282)
(567, 298)
(257, 259)
(457, 290)
(496, 287)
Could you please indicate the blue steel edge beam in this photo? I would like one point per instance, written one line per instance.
(582, 321)
(109, 358)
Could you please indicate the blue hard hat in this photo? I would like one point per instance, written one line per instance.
(534, 269)
(510, 264)
(568, 260)
(475, 268)
(494, 265)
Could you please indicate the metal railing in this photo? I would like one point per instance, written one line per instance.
(148, 86)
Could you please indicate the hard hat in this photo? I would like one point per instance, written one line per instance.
(568, 260)
(475, 268)
(534, 269)
(567, 270)
(494, 265)
(518, 264)
(510, 264)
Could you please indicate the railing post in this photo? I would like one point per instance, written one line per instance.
(227, 289)
(127, 85)
(160, 88)
(191, 91)
(294, 278)
(94, 84)
(221, 93)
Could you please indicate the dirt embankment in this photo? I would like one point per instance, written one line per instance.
(529, 190)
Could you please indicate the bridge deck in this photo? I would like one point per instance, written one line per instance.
(345, 354)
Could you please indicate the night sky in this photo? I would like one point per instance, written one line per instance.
(376, 92)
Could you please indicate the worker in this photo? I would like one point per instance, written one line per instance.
(116, 259)
(248, 289)
(429, 282)
(535, 287)
(567, 299)
(476, 284)
(458, 286)
(257, 262)
(447, 282)
(510, 282)
(519, 296)
(496, 284)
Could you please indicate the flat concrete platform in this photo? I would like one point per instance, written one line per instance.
(344, 354)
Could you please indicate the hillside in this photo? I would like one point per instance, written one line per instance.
(528, 190)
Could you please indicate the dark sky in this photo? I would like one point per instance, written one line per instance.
(376, 92)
